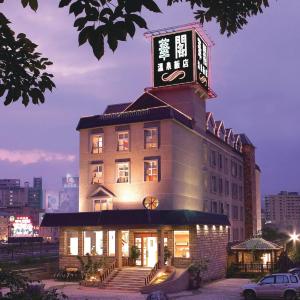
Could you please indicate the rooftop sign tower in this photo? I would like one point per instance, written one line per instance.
(181, 55)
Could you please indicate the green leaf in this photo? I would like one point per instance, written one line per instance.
(80, 23)
(133, 5)
(33, 4)
(97, 43)
(84, 34)
(63, 3)
(112, 42)
(76, 8)
(138, 20)
(151, 5)
(24, 3)
(21, 36)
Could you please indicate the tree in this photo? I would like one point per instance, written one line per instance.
(100, 22)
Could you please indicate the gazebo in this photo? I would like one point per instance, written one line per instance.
(255, 255)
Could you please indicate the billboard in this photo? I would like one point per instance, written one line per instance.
(22, 227)
(180, 57)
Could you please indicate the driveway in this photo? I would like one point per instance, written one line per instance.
(226, 289)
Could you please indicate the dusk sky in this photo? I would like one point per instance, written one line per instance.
(255, 74)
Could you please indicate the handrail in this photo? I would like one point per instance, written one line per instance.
(107, 271)
(152, 273)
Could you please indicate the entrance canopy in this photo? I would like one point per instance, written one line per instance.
(134, 217)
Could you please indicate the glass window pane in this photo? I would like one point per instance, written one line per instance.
(97, 144)
(151, 138)
(125, 243)
(181, 244)
(72, 242)
(122, 172)
(111, 243)
(268, 280)
(123, 141)
(93, 242)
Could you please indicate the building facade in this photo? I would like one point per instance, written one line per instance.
(161, 172)
(283, 210)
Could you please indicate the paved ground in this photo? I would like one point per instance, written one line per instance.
(226, 289)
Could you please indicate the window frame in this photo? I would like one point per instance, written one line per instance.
(118, 163)
(148, 160)
(93, 172)
(156, 143)
(122, 132)
(188, 244)
(93, 135)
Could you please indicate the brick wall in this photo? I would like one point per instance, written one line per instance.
(210, 244)
(249, 190)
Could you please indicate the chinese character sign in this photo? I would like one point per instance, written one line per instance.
(180, 57)
(202, 61)
(173, 58)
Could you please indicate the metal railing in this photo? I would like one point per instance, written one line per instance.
(254, 267)
(107, 272)
(152, 273)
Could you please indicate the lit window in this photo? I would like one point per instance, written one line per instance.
(151, 138)
(125, 243)
(97, 144)
(181, 244)
(123, 141)
(103, 204)
(111, 243)
(122, 172)
(97, 174)
(93, 242)
(72, 242)
(151, 170)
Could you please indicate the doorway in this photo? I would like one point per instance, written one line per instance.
(147, 244)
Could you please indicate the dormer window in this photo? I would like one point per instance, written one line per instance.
(210, 123)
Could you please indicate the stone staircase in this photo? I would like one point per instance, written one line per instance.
(128, 278)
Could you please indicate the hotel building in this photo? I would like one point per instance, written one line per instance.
(161, 171)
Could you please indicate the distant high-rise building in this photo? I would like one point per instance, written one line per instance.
(283, 210)
(65, 200)
(35, 193)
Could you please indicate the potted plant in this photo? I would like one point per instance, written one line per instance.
(195, 270)
(134, 253)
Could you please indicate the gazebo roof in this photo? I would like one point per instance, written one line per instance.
(256, 244)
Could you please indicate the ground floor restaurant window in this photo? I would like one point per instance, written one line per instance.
(93, 242)
(111, 243)
(72, 242)
(181, 244)
(125, 243)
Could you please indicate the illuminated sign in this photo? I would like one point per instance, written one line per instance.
(22, 227)
(202, 61)
(180, 57)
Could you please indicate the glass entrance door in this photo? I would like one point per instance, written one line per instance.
(148, 250)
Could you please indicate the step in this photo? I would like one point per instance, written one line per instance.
(129, 279)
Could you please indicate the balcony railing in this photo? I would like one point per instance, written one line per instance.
(254, 267)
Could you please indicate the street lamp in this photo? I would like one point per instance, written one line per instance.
(294, 237)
